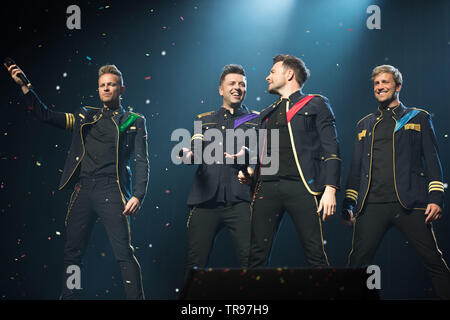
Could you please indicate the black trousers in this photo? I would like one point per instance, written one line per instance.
(100, 198)
(205, 222)
(377, 218)
(272, 199)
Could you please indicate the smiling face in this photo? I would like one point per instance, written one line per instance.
(110, 89)
(385, 87)
(277, 78)
(233, 89)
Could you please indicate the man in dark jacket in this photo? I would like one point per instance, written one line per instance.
(217, 197)
(309, 165)
(104, 142)
(395, 179)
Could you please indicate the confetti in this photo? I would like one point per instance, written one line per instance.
(147, 101)
(163, 53)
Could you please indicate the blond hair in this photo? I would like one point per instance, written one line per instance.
(389, 69)
(110, 68)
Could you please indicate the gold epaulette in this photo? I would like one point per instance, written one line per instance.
(92, 107)
(204, 114)
(138, 114)
(421, 110)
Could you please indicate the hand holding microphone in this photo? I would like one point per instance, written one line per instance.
(17, 75)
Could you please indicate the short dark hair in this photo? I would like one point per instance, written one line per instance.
(296, 64)
(231, 68)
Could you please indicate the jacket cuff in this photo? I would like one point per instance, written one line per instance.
(436, 197)
(352, 195)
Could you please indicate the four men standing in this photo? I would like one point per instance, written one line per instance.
(395, 176)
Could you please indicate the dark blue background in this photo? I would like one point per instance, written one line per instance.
(199, 38)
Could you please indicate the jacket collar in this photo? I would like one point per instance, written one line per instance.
(293, 99)
(237, 112)
(296, 97)
(397, 111)
(97, 112)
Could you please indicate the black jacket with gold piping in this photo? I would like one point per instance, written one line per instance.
(414, 144)
(131, 139)
(314, 142)
(207, 177)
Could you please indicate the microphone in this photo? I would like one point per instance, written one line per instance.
(9, 62)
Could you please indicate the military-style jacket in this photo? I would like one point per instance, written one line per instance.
(417, 169)
(131, 139)
(208, 177)
(314, 142)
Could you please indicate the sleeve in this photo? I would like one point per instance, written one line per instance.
(141, 160)
(325, 124)
(433, 163)
(197, 141)
(354, 176)
(61, 120)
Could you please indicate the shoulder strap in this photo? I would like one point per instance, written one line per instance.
(298, 106)
(128, 122)
(403, 120)
(244, 118)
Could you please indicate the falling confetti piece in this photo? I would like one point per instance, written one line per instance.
(181, 18)
(58, 233)
(258, 98)
(148, 78)
(147, 101)
(89, 58)
(38, 163)
(58, 87)
(64, 74)
(163, 53)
